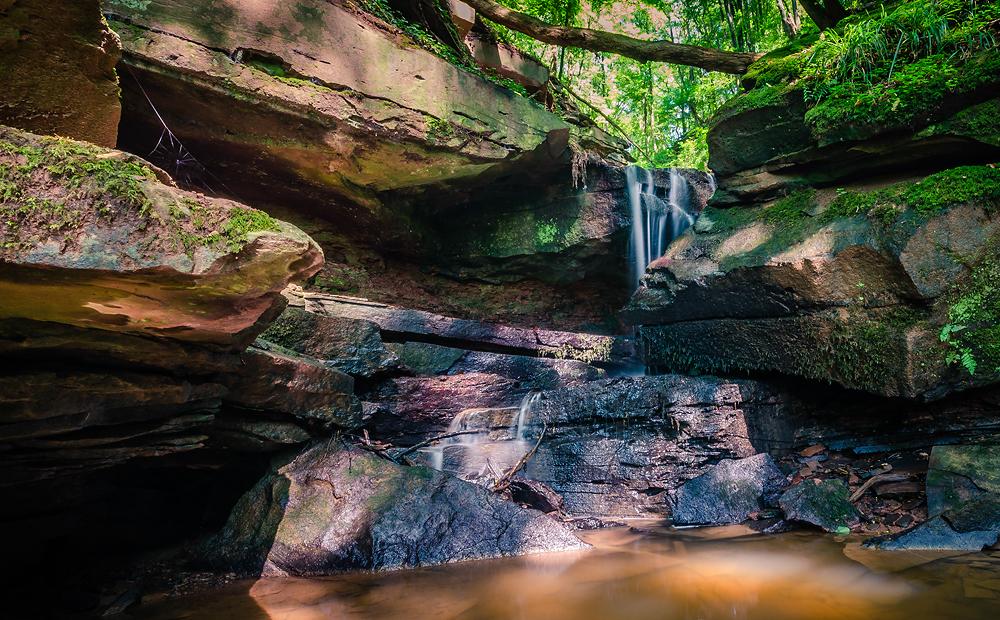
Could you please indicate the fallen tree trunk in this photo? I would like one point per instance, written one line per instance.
(706, 58)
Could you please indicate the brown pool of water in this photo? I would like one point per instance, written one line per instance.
(656, 573)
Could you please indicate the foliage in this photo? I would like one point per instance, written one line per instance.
(973, 328)
(664, 108)
(889, 66)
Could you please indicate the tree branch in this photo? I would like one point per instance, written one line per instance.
(600, 41)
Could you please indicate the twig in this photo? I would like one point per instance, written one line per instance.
(426, 442)
(607, 118)
(506, 479)
(875, 480)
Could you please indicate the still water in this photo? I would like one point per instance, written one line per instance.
(706, 573)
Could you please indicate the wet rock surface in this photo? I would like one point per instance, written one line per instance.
(609, 437)
(729, 492)
(935, 534)
(336, 508)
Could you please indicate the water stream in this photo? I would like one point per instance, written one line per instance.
(500, 438)
(700, 574)
(655, 222)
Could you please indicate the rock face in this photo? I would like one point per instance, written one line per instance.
(820, 502)
(618, 447)
(352, 346)
(58, 66)
(729, 492)
(402, 325)
(128, 254)
(125, 304)
(869, 286)
(279, 380)
(411, 172)
(334, 508)
(848, 241)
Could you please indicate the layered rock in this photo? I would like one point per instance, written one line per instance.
(410, 171)
(336, 508)
(58, 66)
(879, 284)
(126, 304)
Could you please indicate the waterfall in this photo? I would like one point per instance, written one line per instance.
(655, 223)
(518, 429)
(502, 438)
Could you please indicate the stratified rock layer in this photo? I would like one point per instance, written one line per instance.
(57, 70)
(335, 508)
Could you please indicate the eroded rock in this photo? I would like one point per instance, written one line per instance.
(275, 380)
(352, 346)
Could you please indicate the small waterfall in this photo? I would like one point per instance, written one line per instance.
(503, 437)
(655, 223)
(518, 429)
(468, 420)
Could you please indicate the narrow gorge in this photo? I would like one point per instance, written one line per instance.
(358, 309)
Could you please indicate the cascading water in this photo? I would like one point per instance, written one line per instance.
(501, 439)
(655, 223)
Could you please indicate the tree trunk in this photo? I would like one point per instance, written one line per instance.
(825, 15)
(789, 20)
(599, 41)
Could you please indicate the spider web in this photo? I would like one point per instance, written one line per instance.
(171, 154)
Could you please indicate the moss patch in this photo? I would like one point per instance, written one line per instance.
(51, 188)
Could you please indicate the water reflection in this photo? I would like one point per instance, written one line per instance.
(708, 574)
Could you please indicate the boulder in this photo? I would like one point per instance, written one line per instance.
(276, 379)
(58, 66)
(352, 346)
(728, 492)
(957, 474)
(820, 502)
(335, 508)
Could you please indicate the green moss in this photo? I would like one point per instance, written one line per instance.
(882, 69)
(109, 185)
(270, 68)
(243, 222)
(440, 129)
(976, 184)
(863, 350)
(790, 210)
(547, 232)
